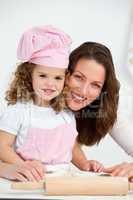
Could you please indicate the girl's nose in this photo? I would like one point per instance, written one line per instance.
(50, 83)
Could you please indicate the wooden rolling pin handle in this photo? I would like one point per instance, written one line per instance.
(130, 186)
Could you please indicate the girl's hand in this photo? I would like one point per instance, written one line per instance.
(27, 171)
(92, 165)
(123, 169)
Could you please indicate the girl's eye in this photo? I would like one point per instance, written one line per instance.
(58, 78)
(43, 76)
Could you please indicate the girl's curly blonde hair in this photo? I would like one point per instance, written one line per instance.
(21, 88)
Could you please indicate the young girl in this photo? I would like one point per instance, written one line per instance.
(37, 126)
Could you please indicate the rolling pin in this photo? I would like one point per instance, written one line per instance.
(70, 185)
(88, 186)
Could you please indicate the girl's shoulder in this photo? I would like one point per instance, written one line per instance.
(18, 106)
(13, 117)
(18, 109)
(68, 115)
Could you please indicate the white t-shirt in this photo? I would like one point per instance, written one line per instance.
(56, 149)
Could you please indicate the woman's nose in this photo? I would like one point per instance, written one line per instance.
(85, 89)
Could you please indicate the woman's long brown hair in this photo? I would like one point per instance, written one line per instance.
(95, 120)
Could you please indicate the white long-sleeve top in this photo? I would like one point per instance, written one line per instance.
(122, 131)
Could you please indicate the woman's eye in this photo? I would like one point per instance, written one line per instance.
(96, 86)
(78, 77)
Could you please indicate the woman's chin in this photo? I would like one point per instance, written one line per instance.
(74, 106)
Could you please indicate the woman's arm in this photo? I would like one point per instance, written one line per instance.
(122, 133)
(7, 153)
(123, 169)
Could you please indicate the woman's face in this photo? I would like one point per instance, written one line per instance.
(85, 83)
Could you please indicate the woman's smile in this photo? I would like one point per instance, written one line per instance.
(77, 97)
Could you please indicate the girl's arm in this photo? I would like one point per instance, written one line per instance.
(27, 171)
(78, 156)
(7, 153)
(79, 160)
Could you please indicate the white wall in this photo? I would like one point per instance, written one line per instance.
(105, 21)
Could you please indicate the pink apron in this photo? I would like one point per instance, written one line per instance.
(50, 146)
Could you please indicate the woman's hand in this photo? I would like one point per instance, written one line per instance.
(123, 169)
(27, 171)
(92, 165)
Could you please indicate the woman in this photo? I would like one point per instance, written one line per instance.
(96, 119)
(93, 96)
(92, 91)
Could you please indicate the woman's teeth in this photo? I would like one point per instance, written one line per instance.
(78, 97)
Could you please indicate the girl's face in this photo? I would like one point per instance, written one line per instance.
(85, 83)
(47, 83)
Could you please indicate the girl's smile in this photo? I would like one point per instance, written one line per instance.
(48, 92)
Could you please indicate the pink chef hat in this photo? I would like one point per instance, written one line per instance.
(45, 45)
